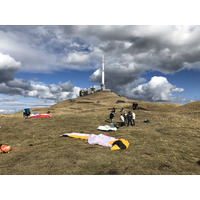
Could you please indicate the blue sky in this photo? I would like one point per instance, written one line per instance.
(42, 65)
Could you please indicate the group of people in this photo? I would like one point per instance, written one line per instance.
(125, 118)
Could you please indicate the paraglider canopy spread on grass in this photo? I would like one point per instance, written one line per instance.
(103, 140)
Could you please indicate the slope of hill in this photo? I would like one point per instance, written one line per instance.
(167, 145)
(190, 107)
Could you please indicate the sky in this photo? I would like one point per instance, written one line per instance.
(41, 65)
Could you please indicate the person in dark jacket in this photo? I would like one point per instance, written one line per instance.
(26, 112)
(111, 117)
(129, 117)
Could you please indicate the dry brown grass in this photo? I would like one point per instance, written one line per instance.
(168, 145)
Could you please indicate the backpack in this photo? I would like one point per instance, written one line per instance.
(27, 111)
(130, 116)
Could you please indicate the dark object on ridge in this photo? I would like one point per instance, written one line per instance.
(146, 121)
(26, 112)
(135, 106)
(198, 162)
(119, 101)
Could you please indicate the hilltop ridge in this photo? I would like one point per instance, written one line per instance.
(99, 99)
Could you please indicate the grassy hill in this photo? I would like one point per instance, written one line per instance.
(168, 145)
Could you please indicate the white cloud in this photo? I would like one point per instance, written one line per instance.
(8, 67)
(20, 87)
(157, 89)
(7, 62)
(76, 58)
(59, 92)
(40, 95)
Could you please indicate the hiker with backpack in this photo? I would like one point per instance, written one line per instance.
(26, 112)
(129, 117)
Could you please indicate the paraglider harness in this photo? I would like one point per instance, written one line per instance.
(26, 112)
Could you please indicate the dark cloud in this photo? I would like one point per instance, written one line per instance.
(19, 83)
(24, 88)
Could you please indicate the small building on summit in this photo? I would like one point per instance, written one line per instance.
(92, 90)
(85, 92)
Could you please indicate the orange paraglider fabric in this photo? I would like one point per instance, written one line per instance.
(5, 148)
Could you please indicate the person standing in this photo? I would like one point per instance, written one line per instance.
(129, 117)
(111, 117)
(122, 120)
(125, 117)
(133, 118)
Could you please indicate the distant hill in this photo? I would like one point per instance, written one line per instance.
(190, 107)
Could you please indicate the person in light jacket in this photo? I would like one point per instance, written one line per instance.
(133, 118)
(122, 120)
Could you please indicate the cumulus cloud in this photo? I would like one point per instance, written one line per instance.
(157, 89)
(77, 58)
(8, 67)
(20, 87)
(59, 92)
